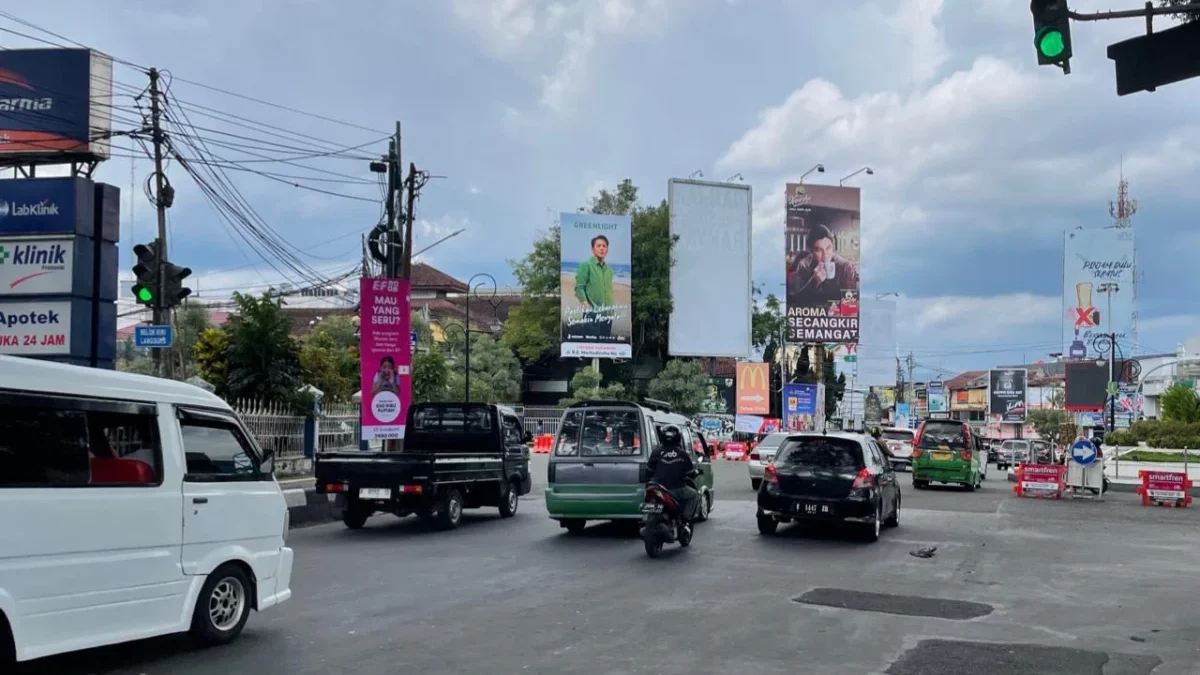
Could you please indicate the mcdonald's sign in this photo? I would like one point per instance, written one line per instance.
(753, 389)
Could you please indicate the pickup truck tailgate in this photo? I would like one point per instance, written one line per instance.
(372, 469)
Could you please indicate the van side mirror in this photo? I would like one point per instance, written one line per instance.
(527, 436)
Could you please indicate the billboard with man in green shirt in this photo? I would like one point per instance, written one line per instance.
(597, 292)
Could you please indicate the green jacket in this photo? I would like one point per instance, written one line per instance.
(594, 283)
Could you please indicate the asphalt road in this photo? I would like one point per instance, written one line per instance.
(1015, 586)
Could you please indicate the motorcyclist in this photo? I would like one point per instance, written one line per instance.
(671, 465)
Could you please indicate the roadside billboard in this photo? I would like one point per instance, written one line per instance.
(877, 342)
(936, 399)
(385, 348)
(41, 328)
(753, 389)
(821, 252)
(55, 104)
(1007, 391)
(720, 396)
(38, 266)
(596, 286)
(1092, 258)
(799, 407)
(711, 271)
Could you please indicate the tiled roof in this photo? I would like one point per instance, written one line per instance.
(964, 380)
(429, 278)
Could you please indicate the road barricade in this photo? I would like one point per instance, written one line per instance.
(1046, 481)
(1165, 488)
(735, 451)
(542, 444)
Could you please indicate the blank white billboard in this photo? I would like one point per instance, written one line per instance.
(876, 342)
(710, 280)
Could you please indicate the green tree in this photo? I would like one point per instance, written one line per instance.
(1047, 421)
(532, 327)
(495, 370)
(211, 355)
(835, 385)
(262, 358)
(1180, 403)
(431, 377)
(190, 321)
(329, 358)
(683, 384)
(586, 386)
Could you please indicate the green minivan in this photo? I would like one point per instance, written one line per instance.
(945, 451)
(598, 465)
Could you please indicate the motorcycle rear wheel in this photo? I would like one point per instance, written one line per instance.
(654, 544)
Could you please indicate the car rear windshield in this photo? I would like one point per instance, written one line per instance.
(452, 418)
(825, 452)
(1015, 445)
(600, 433)
(772, 442)
(942, 433)
(891, 435)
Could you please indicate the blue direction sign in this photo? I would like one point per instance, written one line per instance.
(1083, 452)
(155, 337)
(412, 337)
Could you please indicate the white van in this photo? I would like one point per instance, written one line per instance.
(130, 507)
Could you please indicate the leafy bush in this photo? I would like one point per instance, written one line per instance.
(1159, 434)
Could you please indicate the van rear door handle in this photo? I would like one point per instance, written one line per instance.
(199, 500)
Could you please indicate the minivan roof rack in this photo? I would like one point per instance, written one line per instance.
(603, 403)
(655, 404)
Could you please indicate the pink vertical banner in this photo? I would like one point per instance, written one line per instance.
(385, 349)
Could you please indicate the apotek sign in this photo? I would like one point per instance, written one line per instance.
(753, 389)
(35, 328)
(36, 267)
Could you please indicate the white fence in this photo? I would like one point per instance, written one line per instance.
(339, 427)
(274, 426)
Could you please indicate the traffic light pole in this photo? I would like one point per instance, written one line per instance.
(1149, 11)
(162, 367)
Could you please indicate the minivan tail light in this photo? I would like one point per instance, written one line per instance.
(917, 452)
(770, 475)
(966, 455)
(863, 480)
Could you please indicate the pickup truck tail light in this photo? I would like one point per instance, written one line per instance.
(335, 487)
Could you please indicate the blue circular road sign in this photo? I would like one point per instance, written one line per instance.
(1083, 452)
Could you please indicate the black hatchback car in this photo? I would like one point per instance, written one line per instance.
(838, 477)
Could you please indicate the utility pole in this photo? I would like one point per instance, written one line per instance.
(911, 390)
(162, 366)
(409, 210)
(395, 190)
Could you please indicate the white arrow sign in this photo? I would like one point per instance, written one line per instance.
(756, 398)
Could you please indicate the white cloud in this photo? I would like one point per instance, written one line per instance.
(1017, 318)
(918, 21)
(504, 25)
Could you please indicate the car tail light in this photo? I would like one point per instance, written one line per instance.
(917, 437)
(863, 480)
(335, 487)
(966, 455)
(917, 452)
(770, 475)
(754, 456)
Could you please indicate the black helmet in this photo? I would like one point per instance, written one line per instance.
(669, 435)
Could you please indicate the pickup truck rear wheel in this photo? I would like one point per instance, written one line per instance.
(450, 511)
(509, 500)
(355, 516)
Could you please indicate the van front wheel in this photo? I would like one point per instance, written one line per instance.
(223, 606)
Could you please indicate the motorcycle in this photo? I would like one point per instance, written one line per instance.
(664, 520)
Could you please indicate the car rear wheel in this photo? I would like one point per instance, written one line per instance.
(450, 511)
(767, 525)
(920, 483)
(354, 516)
(509, 500)
(705, 507)
(871, 530)
(574, 525)
(223, 606)
(894, 519)
(755, 483)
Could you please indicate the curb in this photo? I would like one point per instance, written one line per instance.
(306, 507)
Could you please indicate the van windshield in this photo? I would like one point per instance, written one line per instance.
(600, 433)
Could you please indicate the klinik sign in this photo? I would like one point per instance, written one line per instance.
(385, 351)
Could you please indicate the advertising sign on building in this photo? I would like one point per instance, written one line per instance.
(36, 266)
(1007, 394)
(55, 103)
(1098, 290)
(720, 396)
(386, 357)
(822, 243)
(35, 328)
(936, 400)
(47, 206)
(596, 286)
(711, 271)
(753, 389)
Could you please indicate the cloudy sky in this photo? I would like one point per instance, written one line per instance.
(523, 108)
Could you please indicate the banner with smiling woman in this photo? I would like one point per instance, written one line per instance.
(596, 280)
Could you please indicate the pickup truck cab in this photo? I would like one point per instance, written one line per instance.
(456, 456)
(130, 507)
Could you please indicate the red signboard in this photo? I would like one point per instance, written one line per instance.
(735, 450)
(1040, 480)
(1165, 487)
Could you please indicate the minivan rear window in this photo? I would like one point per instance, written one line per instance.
(942, 433)
(825, 452)
(600, 433)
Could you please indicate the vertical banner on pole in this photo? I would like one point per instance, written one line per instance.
(386, 356)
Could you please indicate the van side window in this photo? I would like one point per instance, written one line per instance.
(58, 441)
(512, 430)
(567, 444)
(217, 452)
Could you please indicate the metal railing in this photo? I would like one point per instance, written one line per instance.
(339, 427)
(274, 426)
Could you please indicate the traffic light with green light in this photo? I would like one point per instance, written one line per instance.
(145, 289)
(174, 291)
(1052, 33)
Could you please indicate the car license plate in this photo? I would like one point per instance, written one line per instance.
(374, 493)
(652, 508)
(943, 456)
(812, 509)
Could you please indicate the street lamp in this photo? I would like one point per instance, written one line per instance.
(1108, 289)
(820, 168)
(473, 289)
(869, 170)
